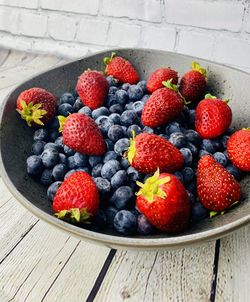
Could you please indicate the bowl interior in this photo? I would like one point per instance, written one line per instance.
(16, 137)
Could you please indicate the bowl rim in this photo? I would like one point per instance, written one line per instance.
(142, 242)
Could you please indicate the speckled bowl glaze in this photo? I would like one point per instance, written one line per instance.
(16, 139)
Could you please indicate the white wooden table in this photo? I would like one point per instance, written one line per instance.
(41, 263)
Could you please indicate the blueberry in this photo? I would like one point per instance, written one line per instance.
(77, 105)
(226, 155)
(203, 153)
(112, 81)
(86, 170)
(62, 159)
(223, 141)
(115, 133)
(54, 135)
(109, 144)
(110, 214)
(192, 187)
(230, 131)
(111, 100)
(37, 147)
(220, 158)
(94, 160)
(112, 90)
(178, 139)
(118, 179)
(116, 118)
(133, 174)
(164, 136)
(75, 93)
(217, 145)
(121, 97)
(54, 124)
(148, 130)
(51, 146)
(46, 177)
(96, 171)
(121, 146)
(191, 197)
(50, 158)
(137, 130)
(129, 106)
(143, 225)
(193, 137)
(34, 165)
(129, 117)
(124, 163)
(122, 197)
(138, 107)
(179, 175)
(59, 142)
(125, 222)
(192, 117)
(59, 171)
(172, 128)
(188, 157)
(41, 135)
(234, 171)
(101, 111)
(65, 109)
(188, 175)
(85, 110)
(207, 145)
(81, 160)
(146, 177)
(116, 108)
(104, 123)
(100, 220)
(145, 98)
(135, 92)
(71, 162)
(192, 148)
(110, 168)
(66, 98)
(125, 86)
(102, 184)
(143, 85)
(133, 186)
(52, 189)
(198, 212)
(68, 151)
(110, 155)
(124, 130)
(69, 173)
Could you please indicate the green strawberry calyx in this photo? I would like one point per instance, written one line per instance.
(246, 129)
(130, 154)
(196, 66)
(107, 60)
(170, 85)
(32, 113)
(214, 213)
(210, 96)
(62, 120)
(75, 215)
(152, 187)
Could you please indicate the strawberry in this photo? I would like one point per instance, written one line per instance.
(81, 134)
(121, 69)
(36, 105)
(164, 201)
(238, 149)
(193, 84)
(213, 117)
(216, 187)
(148, 152)
(156, 78)
(163, 106)
(77, 199)
(92, 88)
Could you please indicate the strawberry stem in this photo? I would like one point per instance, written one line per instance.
(170, 85)
(32, 113)
(196, 66)
(107, 60)
(75, 215)
(131, 150)
(62, 121)
(210, 96)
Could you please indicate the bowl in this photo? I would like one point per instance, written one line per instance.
(16, 140)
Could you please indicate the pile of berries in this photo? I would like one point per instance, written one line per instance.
(135, 156)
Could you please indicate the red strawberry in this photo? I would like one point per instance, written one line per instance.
(148, 152)
(163, 106)
(81, 134)
(36, 106)
(156, 78)
(216, 187)
(92, 88)
(238, 149)
(193, 84)
(213, 117)
(164, 201)
(121, 69)
(77, 199)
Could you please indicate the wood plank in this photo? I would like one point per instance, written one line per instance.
(4, 53)
(5, 195)
(234, 267)
(16, 58)
(181, 275)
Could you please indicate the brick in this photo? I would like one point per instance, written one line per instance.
(32, 24)
(248, 22)
(233, 51)
(21, 3)
(9, 20)
(219, 15)
(196, 44)
(77, 6)
(62, 27)
(92, 31)
(158, 38)
(13, 42)
(149, 10)
(124, 35)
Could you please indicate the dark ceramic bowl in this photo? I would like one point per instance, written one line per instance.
(16, 139)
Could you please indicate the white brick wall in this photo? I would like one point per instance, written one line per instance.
(213, 29)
